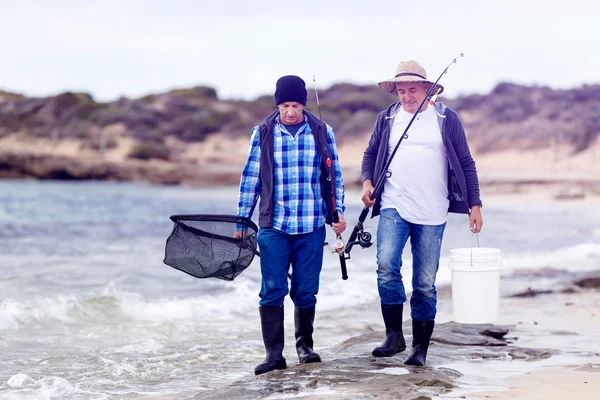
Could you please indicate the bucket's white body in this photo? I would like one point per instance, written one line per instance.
(475, 284)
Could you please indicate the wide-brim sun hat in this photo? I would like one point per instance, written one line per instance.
(408, 71)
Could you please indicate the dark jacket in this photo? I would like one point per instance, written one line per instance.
(463, 183)
(319, 131)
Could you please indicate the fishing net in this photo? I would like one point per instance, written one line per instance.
(204, 245)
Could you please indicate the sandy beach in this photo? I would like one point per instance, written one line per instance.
(551, 383)
(564, 321)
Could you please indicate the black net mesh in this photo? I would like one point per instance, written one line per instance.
(203, 245)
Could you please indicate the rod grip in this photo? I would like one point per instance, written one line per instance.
(343, 266)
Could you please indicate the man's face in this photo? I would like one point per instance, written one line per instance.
(411, 94)
(290, 113)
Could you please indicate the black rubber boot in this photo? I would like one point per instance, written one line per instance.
(303, 321)
(394, 339)
(422, 331)
(271, 321)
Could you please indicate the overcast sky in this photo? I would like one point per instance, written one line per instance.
(112, 48)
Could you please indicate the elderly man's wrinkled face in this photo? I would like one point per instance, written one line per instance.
(411, 95)
(290, 113)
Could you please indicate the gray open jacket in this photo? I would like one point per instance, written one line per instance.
(463, 183)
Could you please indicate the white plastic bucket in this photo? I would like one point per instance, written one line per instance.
(475, 284)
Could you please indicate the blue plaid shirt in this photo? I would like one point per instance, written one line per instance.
(298, 205)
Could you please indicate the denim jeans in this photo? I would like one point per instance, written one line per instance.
(426, 242)
(277, 251)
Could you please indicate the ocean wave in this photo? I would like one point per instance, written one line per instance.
(113, 306)
(575, 258)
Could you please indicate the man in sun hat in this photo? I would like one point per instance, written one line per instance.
(293, 167)
(431, 174)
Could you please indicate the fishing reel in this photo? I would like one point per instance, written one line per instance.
(364, 238)
(338, 246)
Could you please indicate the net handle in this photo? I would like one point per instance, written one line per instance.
(215, 218)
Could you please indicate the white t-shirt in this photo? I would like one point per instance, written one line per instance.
(418, 187)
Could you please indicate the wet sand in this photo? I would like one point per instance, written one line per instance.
(549, 383)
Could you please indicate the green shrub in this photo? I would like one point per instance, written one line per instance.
(194, 127)
(148, 150)
(201, 92)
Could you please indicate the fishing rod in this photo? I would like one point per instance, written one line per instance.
(339, 246)
(358, 235)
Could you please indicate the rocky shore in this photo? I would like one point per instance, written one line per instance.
(533, 310)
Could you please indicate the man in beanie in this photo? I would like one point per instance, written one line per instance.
(431, 174)
(293, 167)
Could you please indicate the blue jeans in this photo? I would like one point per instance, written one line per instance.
(277, 251)
(426, 244)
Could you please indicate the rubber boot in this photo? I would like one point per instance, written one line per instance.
(303, 321)
(271, 321)
(422, 331)
(394, 339)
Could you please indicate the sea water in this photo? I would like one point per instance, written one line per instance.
(88, 310)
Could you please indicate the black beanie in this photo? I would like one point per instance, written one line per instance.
(290, 88)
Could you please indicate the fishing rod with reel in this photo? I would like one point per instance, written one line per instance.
(359, 236)
(338, 246)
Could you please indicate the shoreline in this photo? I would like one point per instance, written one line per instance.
(497, 192)
(558, 172)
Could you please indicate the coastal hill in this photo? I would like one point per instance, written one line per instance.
(191, 136)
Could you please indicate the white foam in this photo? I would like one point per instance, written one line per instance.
(144, 346)
(19, 380)
(391, 371)
(50, 387)
(118, 369)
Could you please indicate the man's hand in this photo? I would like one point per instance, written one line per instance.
(241, 236)
(367, 192)
(475, 219)
(340, 226)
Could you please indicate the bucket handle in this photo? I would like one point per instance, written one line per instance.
(477, 236)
